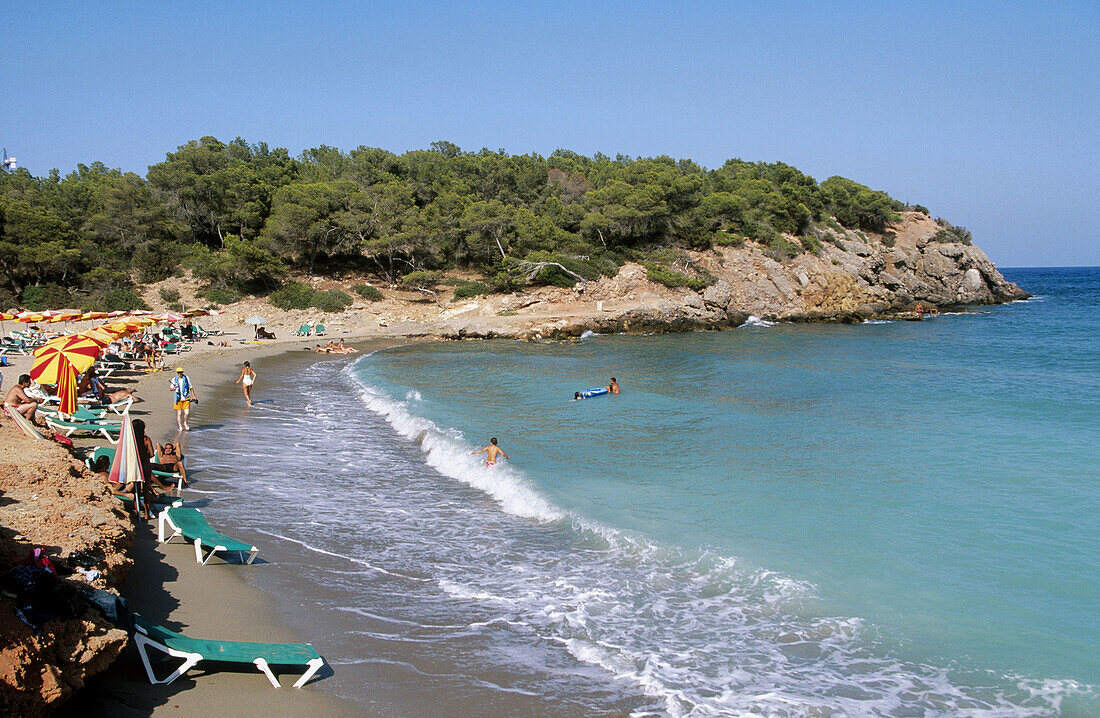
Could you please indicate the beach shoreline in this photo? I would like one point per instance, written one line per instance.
(166, 584)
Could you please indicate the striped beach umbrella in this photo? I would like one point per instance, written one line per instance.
(50, 358)
(66, 388)
(99, 336)
(126, 466)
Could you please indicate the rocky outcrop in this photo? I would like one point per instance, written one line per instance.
(853, 277)
(856, 276)
(48, 500)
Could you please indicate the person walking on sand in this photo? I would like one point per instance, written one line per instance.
(492, 451)
(183, 393)
(246, 380)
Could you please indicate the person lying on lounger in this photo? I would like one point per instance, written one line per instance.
(92, 387)
(170, 459)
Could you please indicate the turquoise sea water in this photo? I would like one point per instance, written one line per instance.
(895, 519)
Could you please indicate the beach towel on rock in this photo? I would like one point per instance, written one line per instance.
(40, 596)
(114, 608)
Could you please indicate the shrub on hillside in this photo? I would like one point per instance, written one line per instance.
(366, 291)
(464, 290)
(40, 297)
(292, 295)
(725, 239)
(332, 300)
(780, 249)
(169, 295)
(951, 233)
(220, 295)
(421, 279)
(113, 299)
(656, 273)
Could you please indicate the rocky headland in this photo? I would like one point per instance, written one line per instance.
(855, 276)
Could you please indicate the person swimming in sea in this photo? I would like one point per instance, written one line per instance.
(613, 387)
(492, 451)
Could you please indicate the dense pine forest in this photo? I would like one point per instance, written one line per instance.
(244, 218)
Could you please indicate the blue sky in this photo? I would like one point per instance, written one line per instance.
(986, 113)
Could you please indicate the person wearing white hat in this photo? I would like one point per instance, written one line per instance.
(183, 393)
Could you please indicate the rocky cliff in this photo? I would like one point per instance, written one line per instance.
(49, 501)
(854, 276)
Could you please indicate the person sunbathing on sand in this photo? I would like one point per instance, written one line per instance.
(17, 399)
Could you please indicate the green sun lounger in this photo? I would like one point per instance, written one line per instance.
(303, 331)
(68, 428)
(191, 525)
(109, 452)
(319, 330)
(193, 650)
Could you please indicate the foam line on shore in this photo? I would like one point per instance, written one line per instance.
(345, 557)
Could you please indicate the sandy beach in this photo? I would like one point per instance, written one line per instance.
(166, 585)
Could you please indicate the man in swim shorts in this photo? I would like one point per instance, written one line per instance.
(183, 393)
(492, 452)
(18, 400)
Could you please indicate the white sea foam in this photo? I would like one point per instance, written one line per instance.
(352, 559)
(448, 453)
(696, 632)
(755, 321)
(588, 334)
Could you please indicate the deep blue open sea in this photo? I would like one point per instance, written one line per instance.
(885, 519)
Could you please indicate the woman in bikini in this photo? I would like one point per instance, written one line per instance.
(247, 379)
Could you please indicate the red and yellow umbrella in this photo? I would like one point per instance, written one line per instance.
(103, 337)
(29, 317)
(51, 359)
(88, 316)
(66, 387)
(124, 327)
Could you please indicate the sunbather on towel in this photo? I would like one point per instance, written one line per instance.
(17, 399)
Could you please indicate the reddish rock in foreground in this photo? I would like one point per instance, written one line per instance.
(49, 500)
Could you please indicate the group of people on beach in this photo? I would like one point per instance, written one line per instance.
(335, 348)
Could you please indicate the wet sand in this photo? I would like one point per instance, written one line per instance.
(213, 601)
